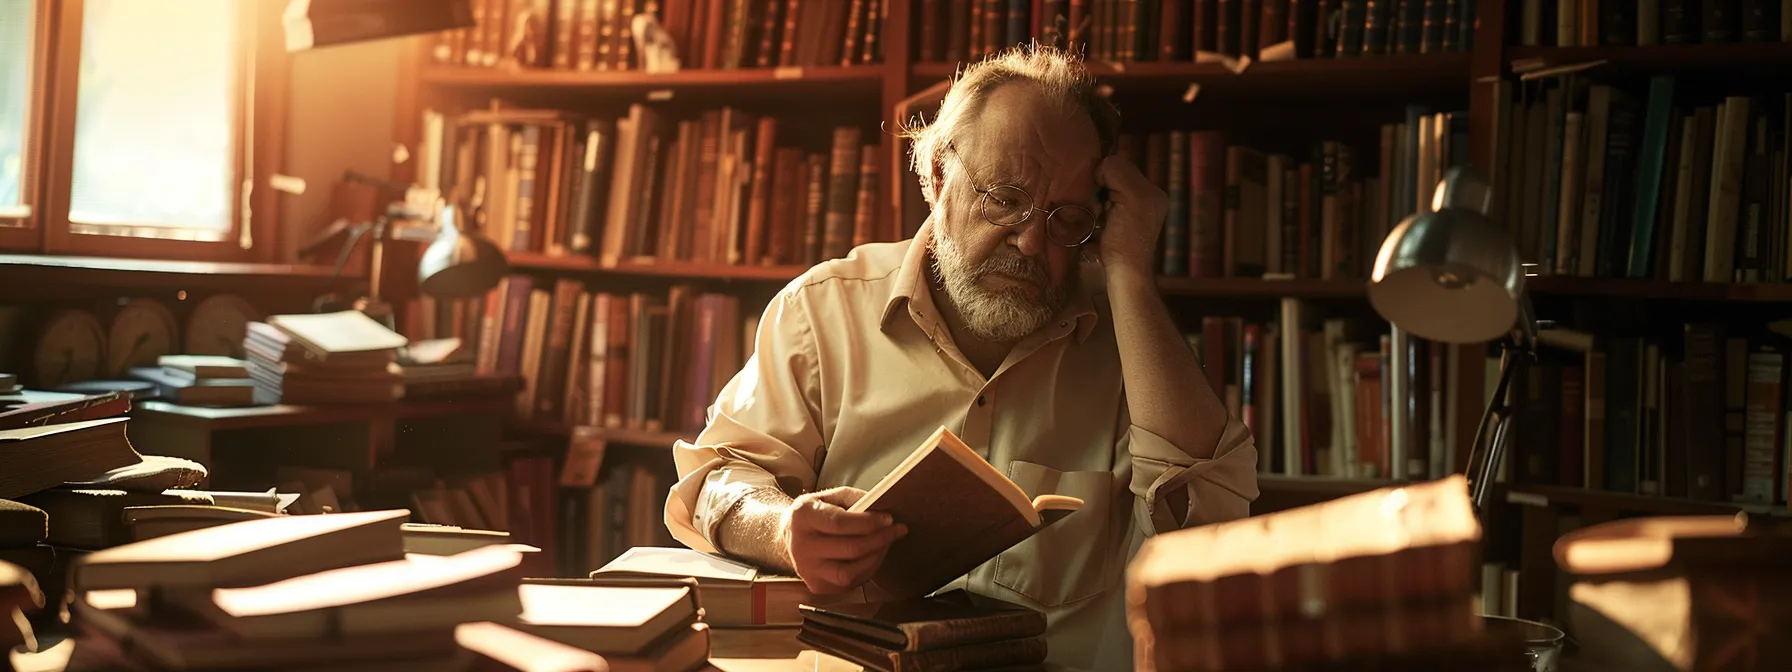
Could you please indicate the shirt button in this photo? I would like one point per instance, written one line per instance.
(1063, 324)
(981, 400)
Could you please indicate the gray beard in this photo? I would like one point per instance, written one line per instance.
(1003, 315)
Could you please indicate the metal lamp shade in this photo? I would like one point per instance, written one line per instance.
(460, 264)
(1450, 274)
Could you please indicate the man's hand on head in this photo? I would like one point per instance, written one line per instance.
(834, 550)
(1133, 217)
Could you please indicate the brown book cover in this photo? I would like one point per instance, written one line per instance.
(1413, 543)
(864, 219)
(42, 457)
(814, 207)
(960, 512)
(246, 552)
(988, 655)
(842, 189)
(784, 237)
(414, 594)
(764, 146)
(766, 55)
(950, 619)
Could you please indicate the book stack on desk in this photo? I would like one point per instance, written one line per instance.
(1383, 577)
(47, 440)
(328, 358)
(948, 632)
(645, 624)
(320, 592)
(200, 380)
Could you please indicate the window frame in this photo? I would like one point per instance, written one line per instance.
(21, 231)
(261, 78)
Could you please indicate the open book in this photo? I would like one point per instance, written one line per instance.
(960, 513)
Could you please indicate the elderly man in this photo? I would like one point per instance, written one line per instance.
(1024, 317)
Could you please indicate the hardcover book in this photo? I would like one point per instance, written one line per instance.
(960, 512)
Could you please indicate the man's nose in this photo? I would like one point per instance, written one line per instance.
(1029, 236)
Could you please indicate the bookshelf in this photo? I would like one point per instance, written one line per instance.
(1310, 98)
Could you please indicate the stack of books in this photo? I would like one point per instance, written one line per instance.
(635, 624)
(1383, 579)
(343, 357)
(331, 591)
(948, 632)
(345, 592)
(200, 380)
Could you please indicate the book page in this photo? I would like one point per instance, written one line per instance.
(678, 562)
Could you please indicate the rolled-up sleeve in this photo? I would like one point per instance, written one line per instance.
(1219, 489)
(762, 430)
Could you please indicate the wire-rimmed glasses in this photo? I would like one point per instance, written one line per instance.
(1007, 205)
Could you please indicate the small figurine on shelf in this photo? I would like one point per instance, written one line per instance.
(658, 52)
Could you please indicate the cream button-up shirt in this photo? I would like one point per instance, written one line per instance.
(853, 368)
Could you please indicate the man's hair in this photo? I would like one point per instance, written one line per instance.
(1057, 73)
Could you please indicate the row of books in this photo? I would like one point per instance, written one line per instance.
(1126, 31)
(1645, 23)
(706, 34)
(1701, 414)
(722, 187)
(617, 360)
(1239, 211)
(1608, 180)
(1318, 394)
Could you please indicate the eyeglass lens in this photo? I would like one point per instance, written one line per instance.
(1008, 206)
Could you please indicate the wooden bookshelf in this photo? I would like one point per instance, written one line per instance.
(1260, 288)
(1628, 288)
(1733, 59)
(43, 274)
(627, 437)
(1620, 503)
(1177, 286)
(290, 415)
(1306, 78)
(839, 80)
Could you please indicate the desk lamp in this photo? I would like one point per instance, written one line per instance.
(1452, 274)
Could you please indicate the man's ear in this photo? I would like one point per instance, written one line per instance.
(937, 184)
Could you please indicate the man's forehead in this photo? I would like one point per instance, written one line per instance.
(1020, 117)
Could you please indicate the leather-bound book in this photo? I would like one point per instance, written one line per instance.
(1681, 593)
(1399, 549)
(960, 512)
(954, 618)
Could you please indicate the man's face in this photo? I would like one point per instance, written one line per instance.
(1009, 281)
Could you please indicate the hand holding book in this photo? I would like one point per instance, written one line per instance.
(834, 549)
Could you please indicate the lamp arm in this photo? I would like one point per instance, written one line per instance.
(1485, 453)
(348, 246)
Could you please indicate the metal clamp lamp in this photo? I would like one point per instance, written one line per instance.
(1452, 274)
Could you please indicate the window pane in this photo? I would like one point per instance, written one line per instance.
(155, 119)
(15, 91)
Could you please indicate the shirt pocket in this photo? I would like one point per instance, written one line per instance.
(1072, 559)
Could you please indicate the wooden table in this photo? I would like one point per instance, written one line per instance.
(769, 650)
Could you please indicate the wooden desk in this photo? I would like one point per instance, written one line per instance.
(769, 650)
(451, 432)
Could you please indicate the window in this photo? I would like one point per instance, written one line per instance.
(16, 96)
(156, 119)
(149, 126)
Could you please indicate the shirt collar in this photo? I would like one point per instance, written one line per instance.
(910, 288)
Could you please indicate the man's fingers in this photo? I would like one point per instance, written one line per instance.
(829, 519)
(854, 547)
(843, 496)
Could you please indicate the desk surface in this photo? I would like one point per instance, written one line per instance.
(280, 415)
(769, 650)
